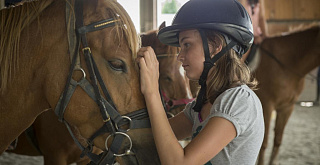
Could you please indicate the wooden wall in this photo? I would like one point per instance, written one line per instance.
(285, 15)
(280, 15)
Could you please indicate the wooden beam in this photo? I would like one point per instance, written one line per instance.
(148, 15)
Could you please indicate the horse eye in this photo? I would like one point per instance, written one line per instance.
(117, 65)
(166, 78)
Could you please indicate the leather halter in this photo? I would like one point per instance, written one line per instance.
(111, 117)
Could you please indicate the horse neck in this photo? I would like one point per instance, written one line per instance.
(312, 55)
(38, 43)
(298, 52)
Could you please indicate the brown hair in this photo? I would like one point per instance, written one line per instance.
(229, 71)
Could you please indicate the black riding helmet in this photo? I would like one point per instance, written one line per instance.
(228, 17)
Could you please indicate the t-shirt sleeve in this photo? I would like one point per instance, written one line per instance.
(188, 111)
(238, 106)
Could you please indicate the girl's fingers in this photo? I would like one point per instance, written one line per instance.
(142, 63)
(147, 58)
(153, 56)
(148, 54)
(149, 69)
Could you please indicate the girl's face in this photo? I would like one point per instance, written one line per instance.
(191, 54)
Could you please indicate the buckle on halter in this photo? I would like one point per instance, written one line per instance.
(86, 48)
(106, 120)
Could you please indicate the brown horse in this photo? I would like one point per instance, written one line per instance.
(285, 61)
(174, 84)
(42, 66)
(62, 150)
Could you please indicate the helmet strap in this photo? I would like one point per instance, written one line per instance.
(208, 64)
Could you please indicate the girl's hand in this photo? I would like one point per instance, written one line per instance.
(149, 70)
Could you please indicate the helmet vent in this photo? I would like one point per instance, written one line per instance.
(240, 8)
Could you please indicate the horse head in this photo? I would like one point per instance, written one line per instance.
(174, 84)
(82, 66)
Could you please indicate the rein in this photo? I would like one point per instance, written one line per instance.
(112, 119)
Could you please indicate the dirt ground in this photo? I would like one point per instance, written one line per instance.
(300, 145)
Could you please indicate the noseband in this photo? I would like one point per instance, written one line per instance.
(112, 120)
(171, 104)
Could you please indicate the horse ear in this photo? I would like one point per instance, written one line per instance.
(162, 25)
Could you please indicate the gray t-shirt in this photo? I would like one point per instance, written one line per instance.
(241, 106)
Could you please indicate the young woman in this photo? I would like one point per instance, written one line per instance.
(226, 121)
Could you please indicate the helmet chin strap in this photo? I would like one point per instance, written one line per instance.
(208, 64)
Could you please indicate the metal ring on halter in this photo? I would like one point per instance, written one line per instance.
(128, 151)
(83, 72)
(169, 114)
(130, 124)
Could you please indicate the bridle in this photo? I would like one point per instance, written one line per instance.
(112, 119)
(170, 104)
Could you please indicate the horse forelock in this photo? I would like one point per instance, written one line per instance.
(13, 21)
(125, 28)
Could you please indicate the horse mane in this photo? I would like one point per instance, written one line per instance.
(13, 21)
(125, 25)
